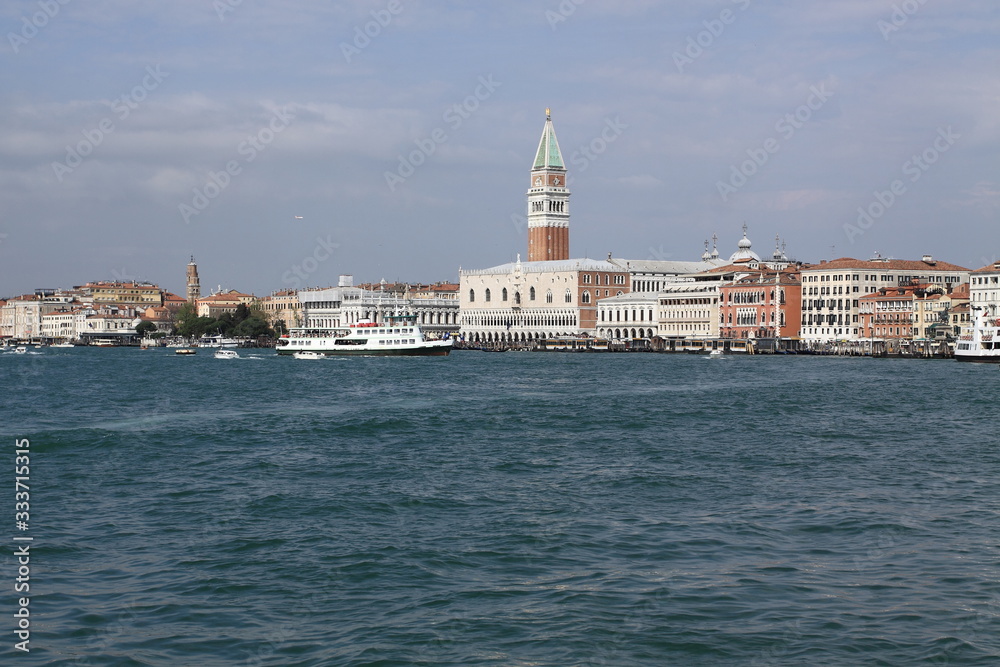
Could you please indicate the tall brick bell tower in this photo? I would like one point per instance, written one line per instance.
(548, 200)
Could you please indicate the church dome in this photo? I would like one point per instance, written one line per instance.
(744, 252)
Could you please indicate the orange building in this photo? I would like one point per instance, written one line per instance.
(890, 312)
(764, 304)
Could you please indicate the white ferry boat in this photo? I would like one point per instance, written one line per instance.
(399, 337)
(981, 341)
(217, 340)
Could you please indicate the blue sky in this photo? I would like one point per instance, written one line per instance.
(679, 120)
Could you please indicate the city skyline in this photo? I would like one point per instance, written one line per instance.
(393, 140)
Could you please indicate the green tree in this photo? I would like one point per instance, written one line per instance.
(144, 328)
(242, 312)
(253, 327)
(226, 323)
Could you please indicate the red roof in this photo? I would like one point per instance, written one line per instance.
(989, 268)
(892, 264)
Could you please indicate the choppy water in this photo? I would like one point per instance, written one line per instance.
(506, 509)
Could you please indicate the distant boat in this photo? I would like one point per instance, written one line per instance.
(308, 355)
(185, 350)
(226, 354)
(715, 353)
(217, 341)
(65, 344)
(20, 349)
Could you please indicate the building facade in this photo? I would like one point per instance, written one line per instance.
(226, 301)
(525, 301)
(689, 309)
(984, 292)
(629, 316)
(764, 304)
(831, 291)
(132, 293)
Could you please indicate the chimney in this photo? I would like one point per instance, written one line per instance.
(927, 259)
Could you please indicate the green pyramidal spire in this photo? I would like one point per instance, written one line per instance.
(548, 156)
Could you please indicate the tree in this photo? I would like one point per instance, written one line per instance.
(144, 328)
(242, 312)
(253, 327)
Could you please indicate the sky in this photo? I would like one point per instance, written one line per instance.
(285, 143)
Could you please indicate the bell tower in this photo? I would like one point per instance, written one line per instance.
(193, 284)
(548, 200)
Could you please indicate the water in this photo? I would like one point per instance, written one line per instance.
(506, 509)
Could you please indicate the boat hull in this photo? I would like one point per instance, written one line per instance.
(978, 358)
(436, 351)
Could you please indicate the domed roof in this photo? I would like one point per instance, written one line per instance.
(744, 252)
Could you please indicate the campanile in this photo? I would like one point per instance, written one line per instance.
(548, 200)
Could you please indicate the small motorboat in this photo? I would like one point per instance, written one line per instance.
(20, 349)
(715, 353)
(185, 350)
(225, 353)
(306, 354)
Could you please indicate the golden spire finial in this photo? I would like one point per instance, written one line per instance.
(548, 113)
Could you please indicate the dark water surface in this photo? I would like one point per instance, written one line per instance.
(505, 509)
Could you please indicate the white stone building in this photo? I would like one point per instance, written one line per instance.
(525, 301)
(831, 290)
(984, 292)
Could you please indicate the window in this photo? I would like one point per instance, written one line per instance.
(569, 296)
(548, 296)
(472, 295)
(487, 295)
(517, 298)
(531, 294)
(586, 296)
(503, 296)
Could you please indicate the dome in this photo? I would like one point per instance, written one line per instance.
(744, 253)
